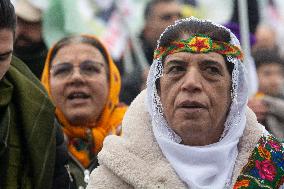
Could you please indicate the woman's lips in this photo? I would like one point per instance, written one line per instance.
(78, 95)
(191, 108)
(192, 105)
(78, 98)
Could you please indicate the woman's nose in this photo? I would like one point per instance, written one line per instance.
(192, 80)
(76, 76)
(76, 71)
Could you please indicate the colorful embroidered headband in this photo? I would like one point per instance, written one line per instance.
(199, 44)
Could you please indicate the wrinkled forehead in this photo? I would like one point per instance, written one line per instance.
(189, 57)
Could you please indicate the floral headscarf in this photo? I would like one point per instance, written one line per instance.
(109, 120)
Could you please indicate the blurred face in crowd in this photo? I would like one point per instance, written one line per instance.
(265, 37)
(161, 15)
(6, 49)
(195, 94)
(270, 78)
(79, 82)
(28, 34)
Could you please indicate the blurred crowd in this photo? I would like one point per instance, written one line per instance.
(56, 40)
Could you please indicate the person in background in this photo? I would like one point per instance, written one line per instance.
(158, 15)
(268, 103)
(32, 152)
(29, 44)
(84, 84)
(191, 127)
(265, 38)
(235, 27)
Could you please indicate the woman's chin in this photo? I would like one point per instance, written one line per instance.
(81, 119)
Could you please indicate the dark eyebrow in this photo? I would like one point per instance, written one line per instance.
(61, 63)
(6, 53)
(94, 62)
(176, 62)
(212, 62)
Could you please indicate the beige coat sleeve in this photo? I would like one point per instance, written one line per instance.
(103, 178)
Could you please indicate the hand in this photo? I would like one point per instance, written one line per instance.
(259, 108)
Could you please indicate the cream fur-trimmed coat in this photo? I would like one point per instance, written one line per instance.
(136, 161)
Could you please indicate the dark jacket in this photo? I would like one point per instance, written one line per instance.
(62, 175)
(33, 57)
(78, 174)
(132, 82)
(28, 142)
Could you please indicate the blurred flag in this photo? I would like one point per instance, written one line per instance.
(118, 27)
(63, 18)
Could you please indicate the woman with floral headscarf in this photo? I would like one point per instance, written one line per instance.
(84, 84)
(191, 127)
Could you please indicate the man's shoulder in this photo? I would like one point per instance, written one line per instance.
(21, 67)
(18, 71)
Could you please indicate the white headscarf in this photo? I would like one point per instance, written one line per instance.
(201, 167)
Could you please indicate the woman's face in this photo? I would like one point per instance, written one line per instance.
(78, 82)
(270, 78)
(195, 94)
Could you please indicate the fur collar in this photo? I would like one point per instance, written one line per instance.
(137, 159)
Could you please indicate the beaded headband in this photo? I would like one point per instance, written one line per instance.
(199, 44)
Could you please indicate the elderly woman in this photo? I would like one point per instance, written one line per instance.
(84, 84)
(191, 128)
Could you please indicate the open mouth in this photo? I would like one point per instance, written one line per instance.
(78, 95)
(192, 105)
